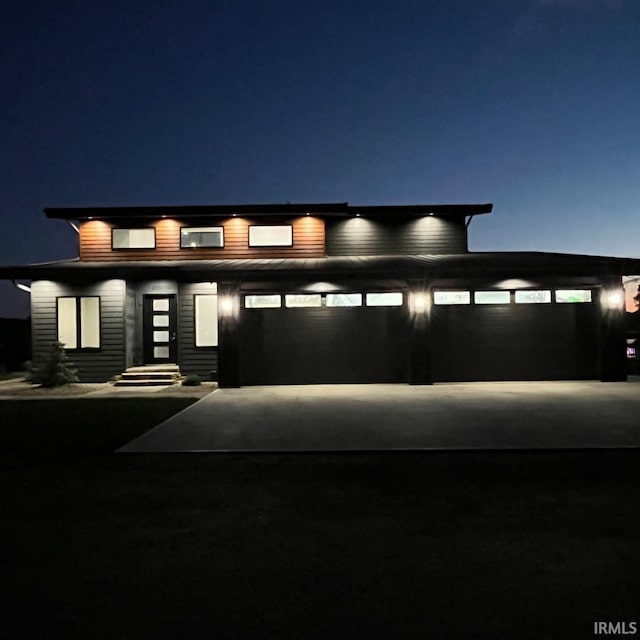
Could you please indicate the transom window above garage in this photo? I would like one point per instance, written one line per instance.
(292, 300)
(263, 301)
(491, 297)
(451, 297)
(533, 296)
(573, 295)
(386, 299)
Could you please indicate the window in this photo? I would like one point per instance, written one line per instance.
(133, 238)
(206, 320)
(491, 297)
(303, 300)
(384, 299)
(271, 236)
(573, 295)
(207, 237)
(344, 299)
(451, 297)
(79, 322)
(533, 296)
(263, 301)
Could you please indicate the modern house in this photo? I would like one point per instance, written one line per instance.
(321, 293)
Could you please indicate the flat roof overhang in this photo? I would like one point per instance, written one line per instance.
(470, 266)
(331, 209)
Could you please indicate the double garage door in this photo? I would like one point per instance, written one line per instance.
(515, 342)
(370, 344)
(315, 345)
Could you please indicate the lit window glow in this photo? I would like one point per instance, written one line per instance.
(292, 300)
(133, 238)
(452, 297)
(391, 299)
(344, 299)
(79, 321)
(269, 301)
(491, 297)
(573, 295)
(270, 236)
(537, 296)
(206, 320)
(205, 237)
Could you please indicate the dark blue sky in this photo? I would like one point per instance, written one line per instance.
(533, 105)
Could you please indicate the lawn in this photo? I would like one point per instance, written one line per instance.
(46, 428)
(413, 545)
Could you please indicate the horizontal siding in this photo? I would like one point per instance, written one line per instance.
(416, 236)
(308, 240)
(93, 366)
(193, 360)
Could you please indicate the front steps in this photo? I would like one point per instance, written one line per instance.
(149, 375)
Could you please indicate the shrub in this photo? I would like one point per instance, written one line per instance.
(192, 381)
(57, 371)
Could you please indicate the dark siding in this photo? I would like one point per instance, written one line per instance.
(93, 366)
(323, 345)
(415, 236)
(193, 360)
(515, 342)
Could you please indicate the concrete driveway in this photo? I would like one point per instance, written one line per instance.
(478, 415)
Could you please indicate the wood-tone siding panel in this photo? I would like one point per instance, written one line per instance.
(308, 240)
(194, 360)
(93, 366)
(368, 237)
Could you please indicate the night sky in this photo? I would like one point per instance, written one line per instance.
(533, 105)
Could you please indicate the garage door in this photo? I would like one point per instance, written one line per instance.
(323, 338)
(541, 339)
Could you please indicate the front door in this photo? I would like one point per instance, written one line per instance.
(159, 328)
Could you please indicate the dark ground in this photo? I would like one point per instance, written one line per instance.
(412, 545)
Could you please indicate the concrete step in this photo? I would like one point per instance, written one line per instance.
(144, 383)
(149, 375)
(172, 368)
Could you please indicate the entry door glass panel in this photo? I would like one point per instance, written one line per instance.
(160, 329)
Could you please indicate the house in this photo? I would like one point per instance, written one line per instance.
(321, 293)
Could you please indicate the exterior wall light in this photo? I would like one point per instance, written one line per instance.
(226, 305)
(613, 299)
(21, 286)
(419, 302)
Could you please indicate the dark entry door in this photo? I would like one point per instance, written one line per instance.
(159, 329)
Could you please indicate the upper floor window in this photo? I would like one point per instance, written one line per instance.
(133, 238)
(271, 235)
(79, 322)
(207, 237)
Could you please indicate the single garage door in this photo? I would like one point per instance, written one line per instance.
(535, 339)
(323, 338)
